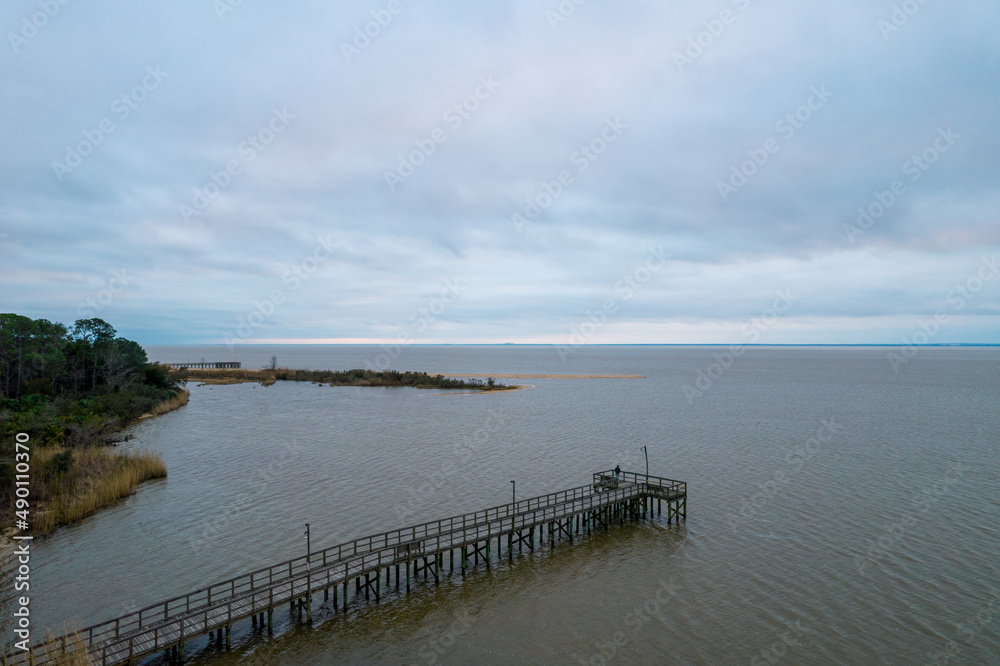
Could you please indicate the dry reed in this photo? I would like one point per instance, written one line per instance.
(98, 477)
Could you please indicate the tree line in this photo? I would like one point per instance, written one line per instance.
(40, 356)
(67, 385)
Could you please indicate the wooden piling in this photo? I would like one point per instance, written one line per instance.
(562, 513)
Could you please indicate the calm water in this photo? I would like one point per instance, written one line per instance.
(839, 511)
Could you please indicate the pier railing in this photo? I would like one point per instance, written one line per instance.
(669, 486)
(293, 568)
(238, 596)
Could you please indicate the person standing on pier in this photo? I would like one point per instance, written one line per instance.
(618, 471)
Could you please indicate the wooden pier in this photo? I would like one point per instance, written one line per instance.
(214, 365)
(372, 564)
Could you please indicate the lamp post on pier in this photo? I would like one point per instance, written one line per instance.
(646, 451)
(513, 492)
(308, 577)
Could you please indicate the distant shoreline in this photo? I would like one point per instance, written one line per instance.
(356, 377)
(555, 344)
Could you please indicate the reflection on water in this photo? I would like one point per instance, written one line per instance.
(867, 542)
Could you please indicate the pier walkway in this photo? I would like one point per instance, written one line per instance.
(369, 563)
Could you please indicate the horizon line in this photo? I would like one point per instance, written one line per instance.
(596, 344)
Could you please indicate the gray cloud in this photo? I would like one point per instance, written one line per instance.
(349, 122)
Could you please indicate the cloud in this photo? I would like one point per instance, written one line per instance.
(558, 85)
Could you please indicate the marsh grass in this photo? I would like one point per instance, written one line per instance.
(94, 478)
(170, 405)
(75, 654)
(358, 377)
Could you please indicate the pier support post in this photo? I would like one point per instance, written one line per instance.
(463, 560)
(345, 593)
(229, 642)
(397, 576)
(407, 576)
(270, 617)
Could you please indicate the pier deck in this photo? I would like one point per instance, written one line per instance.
(367, 562)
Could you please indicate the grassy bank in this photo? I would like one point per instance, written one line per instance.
(75, 648)
(169, 404)
(357, 377)
(70, 484)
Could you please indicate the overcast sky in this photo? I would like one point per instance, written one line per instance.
(643, 172)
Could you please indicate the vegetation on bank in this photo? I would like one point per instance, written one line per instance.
(75, 483)
(358, 377)
(72, 390)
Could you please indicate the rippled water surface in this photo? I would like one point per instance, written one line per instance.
(839, 511)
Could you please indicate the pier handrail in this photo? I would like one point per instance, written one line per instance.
(289, 569)
(639, 477)
(180, 615)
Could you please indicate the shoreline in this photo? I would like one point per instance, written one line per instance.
(356, 378)
(7, 543)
